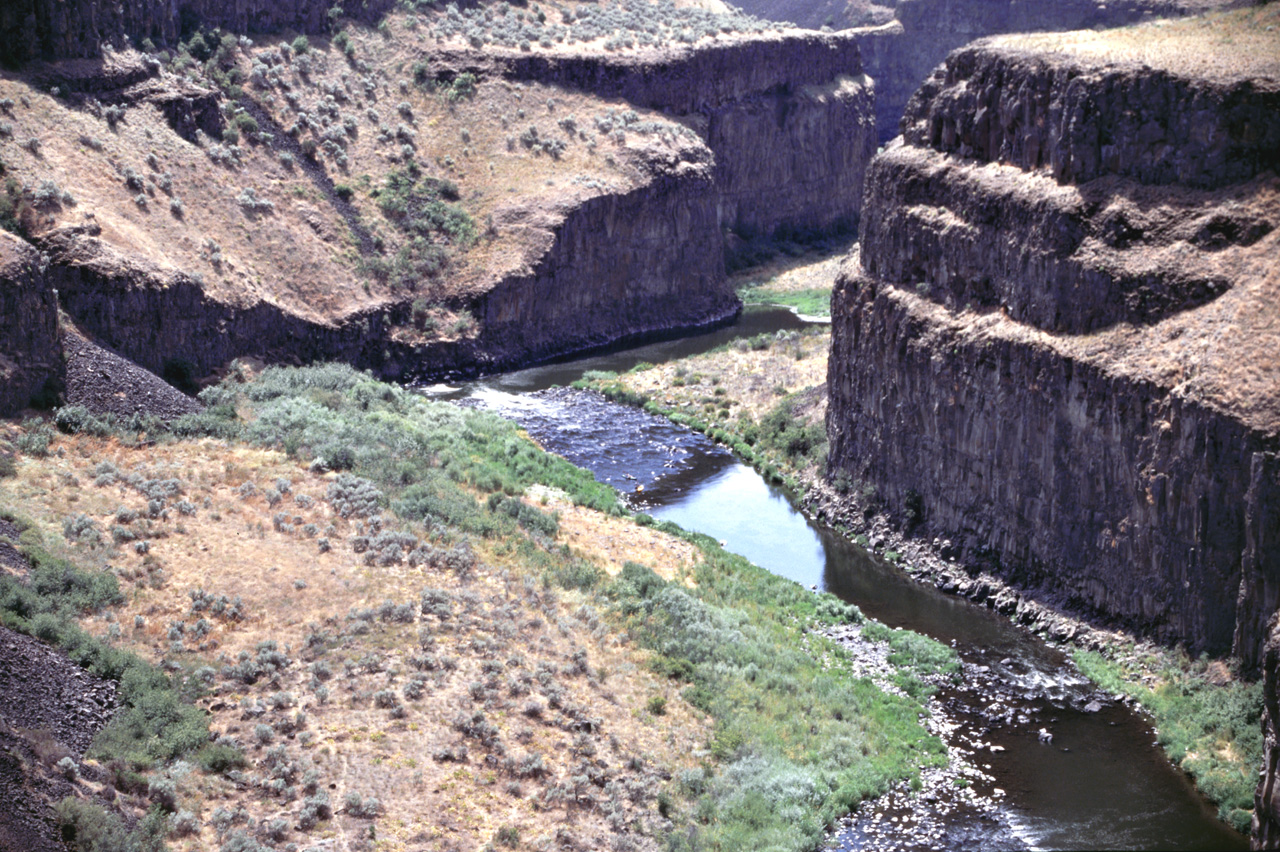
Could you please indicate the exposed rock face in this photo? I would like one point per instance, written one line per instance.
(1026, 363)
(126, 79)
(614, 267)
(156, 316)
(30, 357)
(617, 266)
(901, 54)
(789, 117)
(1140, 123)
(76, 29)
(1266, 800)
(796, 160)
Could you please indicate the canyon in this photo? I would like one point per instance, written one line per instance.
(1087, 409)
(1053, 354)
(771, 134)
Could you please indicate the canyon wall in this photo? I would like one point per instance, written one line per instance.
(901, 54)
(789, 116)
(30, 359)
(1058, 351)
(615, 266)
(643, 262)
(78, 29)
(778, 133)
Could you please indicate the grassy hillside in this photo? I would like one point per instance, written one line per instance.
(409, 626)
(335, 174)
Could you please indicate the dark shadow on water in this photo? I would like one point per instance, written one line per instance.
(1102, 783)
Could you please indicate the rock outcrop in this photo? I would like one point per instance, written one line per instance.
(78, 29)
(1058, 351)
(902, 53)
(1266, 800)
(30, 357)
(789, 117)
(49, 707)
(615, 266)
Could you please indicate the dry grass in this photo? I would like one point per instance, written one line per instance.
(1237, 44)
(785, 274)
(610, 542)
(504, 619)
(303, 256)
(474, 142)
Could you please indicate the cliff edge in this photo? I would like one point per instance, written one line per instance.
(1058, 350)
(432, 197)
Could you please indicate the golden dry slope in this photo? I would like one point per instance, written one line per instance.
(1237, 44)
(372, 697)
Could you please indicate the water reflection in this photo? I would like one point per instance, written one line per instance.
(1102, 783)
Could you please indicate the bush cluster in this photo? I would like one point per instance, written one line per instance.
(423, 209)
(629, 24)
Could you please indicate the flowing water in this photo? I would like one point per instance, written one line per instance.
(1047, 763)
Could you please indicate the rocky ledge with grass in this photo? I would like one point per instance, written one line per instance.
(1089, 412)
(427, 197)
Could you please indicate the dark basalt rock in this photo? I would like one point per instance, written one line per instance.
(901, 54)
(49, 708)
(965, 385)
(30, 357)
(1083, 122)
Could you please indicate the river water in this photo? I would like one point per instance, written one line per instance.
(1100, 782)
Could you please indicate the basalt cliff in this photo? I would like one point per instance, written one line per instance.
(1055, 355)
(903, 42)
(603, 203)
(1058, 349)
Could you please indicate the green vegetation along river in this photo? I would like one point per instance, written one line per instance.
(1040, 758)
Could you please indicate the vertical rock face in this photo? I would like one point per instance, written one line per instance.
(1059, 348)
(152, 315)
(1266, 799)
(30, 357)
(901, 54)
(789, 118)
(618, 266)
(77, 29)
(794, 160)
(1154, 127)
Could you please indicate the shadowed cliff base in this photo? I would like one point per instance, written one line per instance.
(1082, 410)
(427, 199)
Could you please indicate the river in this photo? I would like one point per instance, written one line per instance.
(1100, 782)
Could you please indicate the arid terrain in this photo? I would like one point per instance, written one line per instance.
(258, 591)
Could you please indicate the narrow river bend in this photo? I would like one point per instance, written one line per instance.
(1100, 783)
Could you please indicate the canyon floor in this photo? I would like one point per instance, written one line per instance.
(766, 398)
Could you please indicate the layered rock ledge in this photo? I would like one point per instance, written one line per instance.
(1059, 348)
(902, 53)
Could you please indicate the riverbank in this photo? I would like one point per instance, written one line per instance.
(799, 280)
(766, 399)
(332, 623)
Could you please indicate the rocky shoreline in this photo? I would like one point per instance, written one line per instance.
(933, 564)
